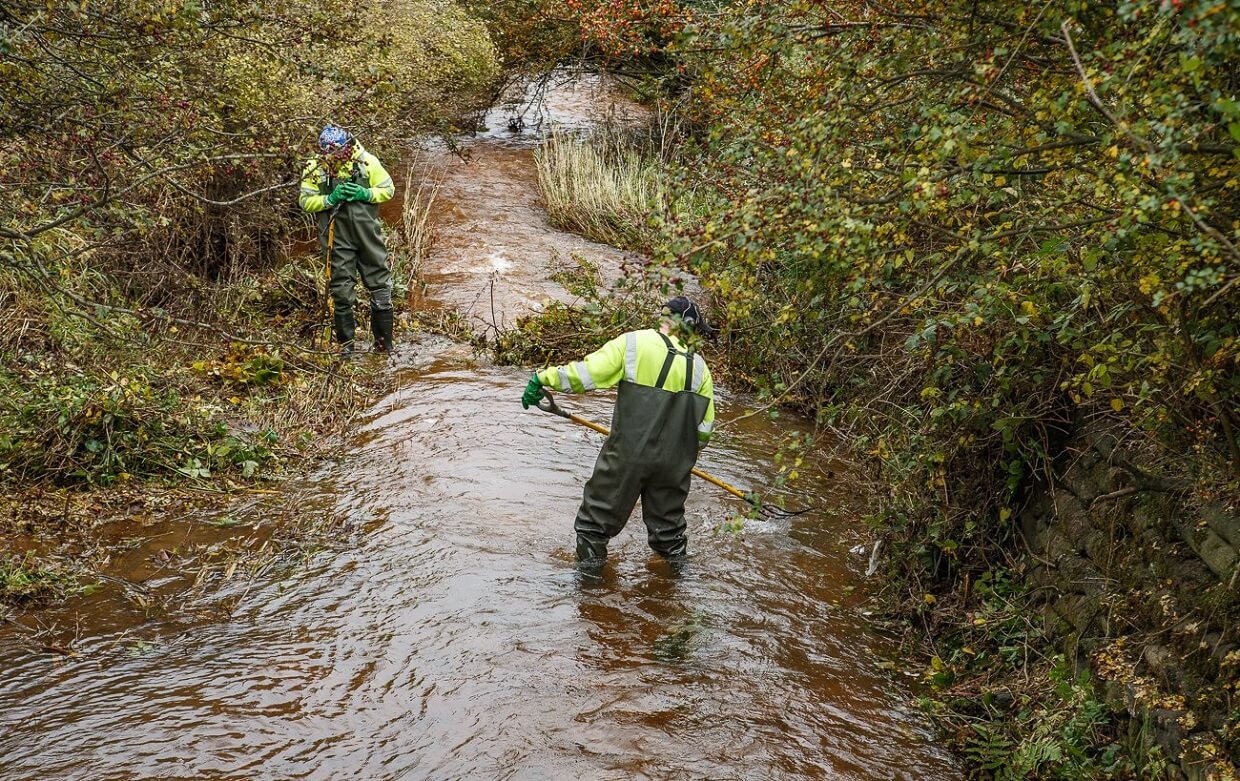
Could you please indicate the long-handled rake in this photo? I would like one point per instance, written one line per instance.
(547, 404)
(329, 307)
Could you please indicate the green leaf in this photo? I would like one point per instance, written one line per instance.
(1052, 246)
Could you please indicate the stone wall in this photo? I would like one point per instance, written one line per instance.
(1138, 580)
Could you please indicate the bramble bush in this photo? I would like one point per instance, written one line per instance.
(171, 135)
(979, 227)
(98, 428)
(150, 157)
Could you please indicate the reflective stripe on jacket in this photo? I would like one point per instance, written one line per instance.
(637, 357)
(316, 184)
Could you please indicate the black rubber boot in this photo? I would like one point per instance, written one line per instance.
(345, 326)
(591, 556)
(381, 327)
(591, 552)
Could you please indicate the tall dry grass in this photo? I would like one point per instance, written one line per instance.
(413, 241)
(602, 186)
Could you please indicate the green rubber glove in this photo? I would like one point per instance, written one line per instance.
(355, 192)
(533, 392)
(338, 194)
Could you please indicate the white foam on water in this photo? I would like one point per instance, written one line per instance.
(499, 263)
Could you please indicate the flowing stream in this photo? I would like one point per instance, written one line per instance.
(454, 638)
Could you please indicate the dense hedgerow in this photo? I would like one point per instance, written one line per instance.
(978, 225)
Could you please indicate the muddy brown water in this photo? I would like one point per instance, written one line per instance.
(494, 249)
(454, 637)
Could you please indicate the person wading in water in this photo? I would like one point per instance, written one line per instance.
(664, 415)
(344, 185)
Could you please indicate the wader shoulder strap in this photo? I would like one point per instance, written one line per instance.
(672, 352)
(667, 362)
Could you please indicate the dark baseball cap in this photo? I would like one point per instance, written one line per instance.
(689, 313)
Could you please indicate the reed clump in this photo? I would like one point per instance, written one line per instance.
(413, 238)
(605, 186)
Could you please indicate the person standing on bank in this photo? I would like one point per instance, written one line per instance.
(664, 415)
(345, 183)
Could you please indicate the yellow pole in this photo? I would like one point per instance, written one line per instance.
(327, 280)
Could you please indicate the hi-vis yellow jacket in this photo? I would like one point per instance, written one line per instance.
(314, 179)
(637, 357)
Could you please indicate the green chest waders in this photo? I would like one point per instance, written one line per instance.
(649, 455)
(357, 248)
